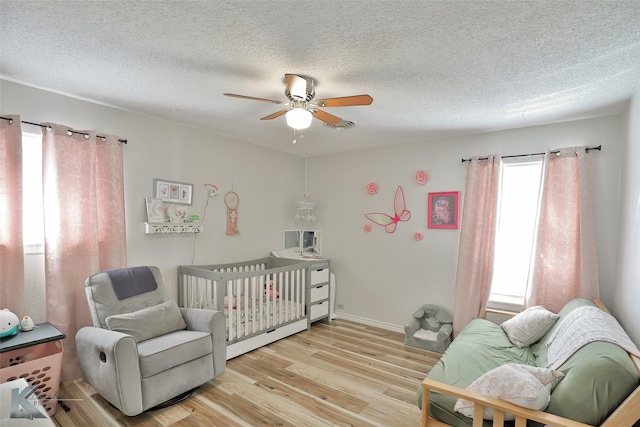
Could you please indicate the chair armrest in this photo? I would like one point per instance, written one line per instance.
(109, 362)
(500, 407)
(412, 327)
(445, 332)
(199, 319)
(211, 321)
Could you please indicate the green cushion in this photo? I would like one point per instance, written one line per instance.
(598, 377)
(479, 347)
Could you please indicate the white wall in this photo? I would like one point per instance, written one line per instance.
(386, 277)
(381, 277)
(627, 300)
(267, 181)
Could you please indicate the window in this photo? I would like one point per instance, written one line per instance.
(32, 213)
(516, 225)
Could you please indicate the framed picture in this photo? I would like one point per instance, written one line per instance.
(155, 210)
(443, 210)
(174, 192)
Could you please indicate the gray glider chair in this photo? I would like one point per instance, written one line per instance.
(143, 350)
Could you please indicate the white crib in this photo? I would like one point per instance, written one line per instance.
(263, 300)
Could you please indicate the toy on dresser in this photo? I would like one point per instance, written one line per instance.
(8, 323)
(26, 324)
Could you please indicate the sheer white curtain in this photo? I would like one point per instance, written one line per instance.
(11, 243)
(565, 262)
(84, 224)
(477, 240)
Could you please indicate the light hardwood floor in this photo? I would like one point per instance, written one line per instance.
(335, 374)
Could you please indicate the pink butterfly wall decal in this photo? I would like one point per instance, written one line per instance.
(400, 213)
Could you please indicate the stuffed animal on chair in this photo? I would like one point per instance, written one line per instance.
(430, 329)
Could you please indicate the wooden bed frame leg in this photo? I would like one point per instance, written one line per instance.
(425, 407)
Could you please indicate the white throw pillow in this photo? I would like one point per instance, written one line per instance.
(523, 385)
(149, 322)
(529, 326)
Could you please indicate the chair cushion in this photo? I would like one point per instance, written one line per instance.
(149, 322)
(173, 349)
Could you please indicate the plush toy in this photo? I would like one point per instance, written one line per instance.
(26, 324)
(271, 290)
(9, 323)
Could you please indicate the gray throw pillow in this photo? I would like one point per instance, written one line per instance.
(149, 322)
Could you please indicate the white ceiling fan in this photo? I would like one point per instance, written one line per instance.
(301, 108)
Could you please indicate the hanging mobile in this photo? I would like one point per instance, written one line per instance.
(232, 201)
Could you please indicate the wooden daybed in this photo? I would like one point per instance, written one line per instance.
(625, 415)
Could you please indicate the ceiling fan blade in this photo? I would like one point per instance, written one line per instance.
(345, 101)
(233, 95)
(326, 117)
(274, 115)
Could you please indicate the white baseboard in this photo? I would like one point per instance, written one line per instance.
(369, 322)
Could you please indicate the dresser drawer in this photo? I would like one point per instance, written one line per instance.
(319, 310)
(319, 293)
(319, 276)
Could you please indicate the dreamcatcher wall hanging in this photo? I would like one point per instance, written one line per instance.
(231, 200)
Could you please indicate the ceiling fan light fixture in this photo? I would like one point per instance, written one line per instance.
(299, 118)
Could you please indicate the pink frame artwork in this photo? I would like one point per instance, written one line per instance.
(443, 209)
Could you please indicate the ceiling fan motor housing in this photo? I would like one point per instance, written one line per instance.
(299, 88)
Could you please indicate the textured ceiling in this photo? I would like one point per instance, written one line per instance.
(434, 69)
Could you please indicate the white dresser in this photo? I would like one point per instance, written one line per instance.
(319, 291)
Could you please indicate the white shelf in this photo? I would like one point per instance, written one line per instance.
(168, 227)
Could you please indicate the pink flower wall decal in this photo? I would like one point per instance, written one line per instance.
(372, 188)
(417, 237)
(422, 177)
(367, 228)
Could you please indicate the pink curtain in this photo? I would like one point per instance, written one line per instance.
(565, 264)
(11, 248)
(477, 240)
(84, 225)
